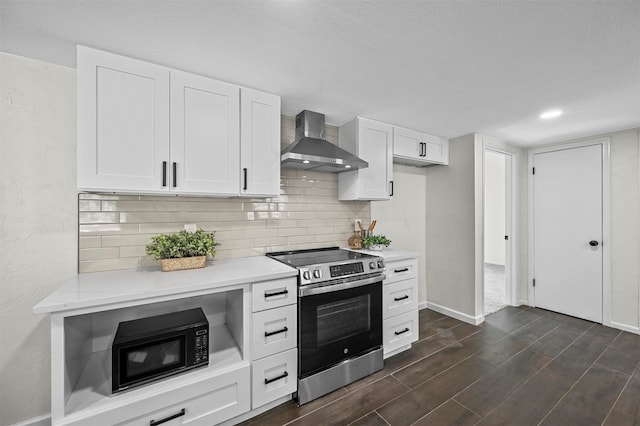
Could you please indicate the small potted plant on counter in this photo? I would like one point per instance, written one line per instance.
(182, 250)
(375, 242)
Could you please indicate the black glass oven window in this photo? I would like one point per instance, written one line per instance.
(154, 358)
(342, 319)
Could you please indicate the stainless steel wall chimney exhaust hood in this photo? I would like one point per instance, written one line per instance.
(310, 151)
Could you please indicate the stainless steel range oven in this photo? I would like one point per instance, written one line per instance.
(339, 317)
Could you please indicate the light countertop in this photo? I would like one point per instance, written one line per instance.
(105, 288)
(391, 255)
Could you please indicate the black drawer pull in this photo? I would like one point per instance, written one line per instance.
(397, 299)
(167, 419)
(175, 172)
(401, 332)
(401, 270)
(277, 293)
(244, 178)
(282, 376)
(271, 333)
(164, 173)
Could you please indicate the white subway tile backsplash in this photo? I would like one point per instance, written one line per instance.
(114, 229)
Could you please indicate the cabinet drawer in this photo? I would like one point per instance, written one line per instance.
(210, 401)
(274, 377)
(400, 297)
(273, 294)
(401, 270)
(400, 331)
(274, 330)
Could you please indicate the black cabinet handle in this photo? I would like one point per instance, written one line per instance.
(175, 178)
(244, 173)
(401, 332)
(423, 149)
(397, 299)
(391, 182)
(167, 419)
(277, 293)
(400, 270)
(164, 173)
(593, 243)
(282, 376)
(271, 333)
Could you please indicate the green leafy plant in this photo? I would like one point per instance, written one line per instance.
(373, 240)
(182, 244)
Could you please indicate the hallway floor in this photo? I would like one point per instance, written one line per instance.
(522, 366)
(495, 292)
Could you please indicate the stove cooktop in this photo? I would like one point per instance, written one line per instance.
(327, 264)
(299, 258)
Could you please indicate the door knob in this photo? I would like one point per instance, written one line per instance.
(593, 243)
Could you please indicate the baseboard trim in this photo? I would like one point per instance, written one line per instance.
(456, 314)
(422, 305)
(36, 421)
(523, 302)
(624, 327)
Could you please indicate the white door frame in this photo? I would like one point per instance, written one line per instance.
(606, 241)
(511, 218)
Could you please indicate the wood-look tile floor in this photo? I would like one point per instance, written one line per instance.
(522, 366)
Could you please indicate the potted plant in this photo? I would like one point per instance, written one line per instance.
(182, 250)
(375, 242)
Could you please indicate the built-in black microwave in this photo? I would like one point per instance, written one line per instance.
(151, 348)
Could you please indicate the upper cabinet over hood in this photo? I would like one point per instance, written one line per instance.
(310, 150)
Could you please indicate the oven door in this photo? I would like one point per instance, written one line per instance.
(338, 322)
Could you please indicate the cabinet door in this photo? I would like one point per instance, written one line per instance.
(399, 332)
(273, 331)
(205, 135)
(436, 149)
(373, 142)
(407, 143)
(274, 377)
(260, 144)
(123, 123)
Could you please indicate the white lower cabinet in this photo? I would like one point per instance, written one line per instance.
(274, 377)
(209, 401)
(274, 330)
(399, 332)
(400, 305)
(274, 334)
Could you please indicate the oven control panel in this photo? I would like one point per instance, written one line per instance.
(326, 272)
(348, 269)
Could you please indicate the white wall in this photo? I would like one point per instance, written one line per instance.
(403, 219)
(494, 207)
(38, 222)
(451, 228)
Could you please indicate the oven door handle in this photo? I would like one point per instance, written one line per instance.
(311, 290)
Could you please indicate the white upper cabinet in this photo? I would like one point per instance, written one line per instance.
(372, 141)
(205, 135)
(259, 143)
(123, 123)
(144, 128)
(419, 149)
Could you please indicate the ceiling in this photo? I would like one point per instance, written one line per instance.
(444, 67)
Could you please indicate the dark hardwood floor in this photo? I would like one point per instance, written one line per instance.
(522, 366)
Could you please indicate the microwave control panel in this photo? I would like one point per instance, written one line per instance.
(202, 346)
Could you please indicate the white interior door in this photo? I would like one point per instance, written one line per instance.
(568, 231)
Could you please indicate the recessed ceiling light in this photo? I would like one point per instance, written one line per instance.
(551, 114)
(347, 166)
(305, 161)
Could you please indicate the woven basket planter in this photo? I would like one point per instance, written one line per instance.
(183, 263)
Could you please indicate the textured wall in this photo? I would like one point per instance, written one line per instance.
(38, 222)
(114, 229)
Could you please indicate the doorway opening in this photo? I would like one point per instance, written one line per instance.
(497, 229)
